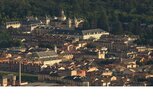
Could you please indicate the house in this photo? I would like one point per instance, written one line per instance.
(81, 73)
(92, 69)
(16, 50)
(114, 43)
(66, 56)
(129, 63)
(8, 80)
(94, 54)
(113, 78)
(107, 72)
(141, 49)
(106, 81)
(13, 24)
(43, 29)
(128, 72)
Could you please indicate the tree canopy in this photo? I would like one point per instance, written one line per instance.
(116, 16)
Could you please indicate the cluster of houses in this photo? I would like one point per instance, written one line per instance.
(77, 57)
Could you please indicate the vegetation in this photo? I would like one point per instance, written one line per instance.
(7, 41)
(116, 16)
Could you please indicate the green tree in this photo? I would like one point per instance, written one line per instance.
(117, 26)
(103, 21)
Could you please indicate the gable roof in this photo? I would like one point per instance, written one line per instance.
(45, 54)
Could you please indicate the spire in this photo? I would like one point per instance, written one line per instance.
(47, 20)
(63, 17)
(62, 13)
(76, 22)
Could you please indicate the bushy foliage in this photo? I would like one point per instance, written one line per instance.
(116, 16)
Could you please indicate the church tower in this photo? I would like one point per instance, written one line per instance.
(69, 23)
(76, 22)
(47, 20)
(55, 48)
(62, 17)
(101, 54)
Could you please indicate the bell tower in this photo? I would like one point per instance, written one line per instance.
(47, 20)
(62, 17)
(101, 54)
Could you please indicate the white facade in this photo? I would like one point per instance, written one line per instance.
(13, 25)
(94, 35)
(52, 62)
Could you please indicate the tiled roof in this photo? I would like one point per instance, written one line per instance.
(13, 22)
(75, 32)
(44, 54)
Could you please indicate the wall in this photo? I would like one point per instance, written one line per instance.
(13, 26)
(96, 35)
(52, 62)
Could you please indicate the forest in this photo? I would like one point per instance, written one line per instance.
(133, 17)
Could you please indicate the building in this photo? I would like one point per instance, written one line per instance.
(114, 43)
(48, 58)
(93, 54)
(13, 24)
(8, 80)
(81, 73)
(66, 56)
(82, 34)
(47, 20)
(107, 72)
(129, 63)
(30, 24)
(63, 22)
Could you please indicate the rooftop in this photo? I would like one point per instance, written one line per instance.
(76, 32)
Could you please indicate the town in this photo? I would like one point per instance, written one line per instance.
(57, 51)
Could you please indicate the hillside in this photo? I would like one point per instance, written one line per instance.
(116, 16)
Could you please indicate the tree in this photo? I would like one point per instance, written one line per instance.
(103, 21)
(117, 26)
(136, 26)
(7, 41)
(99, 13)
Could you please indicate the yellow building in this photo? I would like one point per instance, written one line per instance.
(14, 24)
(66, 57)
(101, 55)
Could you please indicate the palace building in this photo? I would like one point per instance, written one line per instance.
(82, 34)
